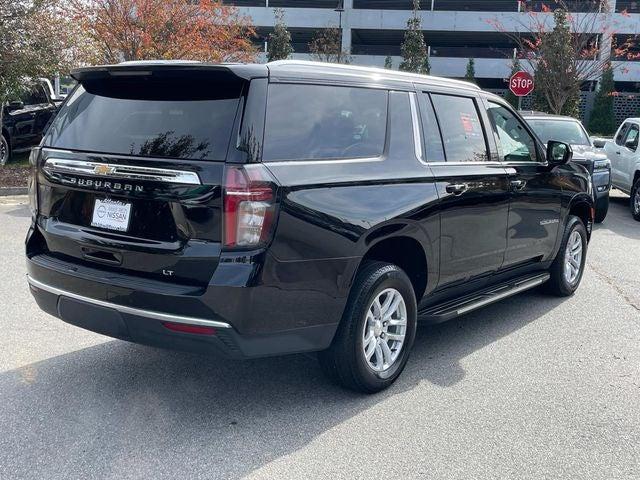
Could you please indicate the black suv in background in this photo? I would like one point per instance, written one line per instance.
(25, 119)
(257, 210)
(585, 152)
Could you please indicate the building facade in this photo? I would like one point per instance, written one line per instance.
(455, 31)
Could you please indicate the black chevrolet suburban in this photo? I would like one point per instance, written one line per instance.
(256, 210)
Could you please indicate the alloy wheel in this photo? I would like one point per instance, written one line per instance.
(573, 257)
(384, 330)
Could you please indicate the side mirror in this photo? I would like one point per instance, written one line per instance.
(15, 105)
(631, 144)
(599, 142)
(558, 153)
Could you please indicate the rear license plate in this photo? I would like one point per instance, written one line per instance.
(111, 214)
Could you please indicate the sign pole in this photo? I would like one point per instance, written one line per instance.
(519, 103)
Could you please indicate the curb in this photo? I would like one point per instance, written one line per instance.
(8, 191)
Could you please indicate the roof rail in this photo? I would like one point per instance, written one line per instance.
(372, 70)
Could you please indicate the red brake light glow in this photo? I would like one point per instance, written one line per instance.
(186, 328)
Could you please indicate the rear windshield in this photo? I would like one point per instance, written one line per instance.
(139, 117)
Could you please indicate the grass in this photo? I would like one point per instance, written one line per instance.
(16, 172)
(18, 160)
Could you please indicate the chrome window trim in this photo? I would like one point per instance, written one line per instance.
(119, 171)
(525, 164)
(417, 138)
(461, 164)
(325, 161)
(165, 317)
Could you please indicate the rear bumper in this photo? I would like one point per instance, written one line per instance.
(148, 327)
(241, 321)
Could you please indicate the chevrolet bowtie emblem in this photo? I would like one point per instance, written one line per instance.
(103, 169)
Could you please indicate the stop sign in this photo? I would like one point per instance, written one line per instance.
(521, 84)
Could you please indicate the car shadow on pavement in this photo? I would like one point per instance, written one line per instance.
(121, 410)
(619, 219)
(20, 211)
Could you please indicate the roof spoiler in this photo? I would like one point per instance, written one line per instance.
(168, 68)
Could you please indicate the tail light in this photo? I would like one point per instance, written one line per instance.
(34, 156)
(249, 206)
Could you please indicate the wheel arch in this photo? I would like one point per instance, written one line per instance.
(405, 251)
(583, 207)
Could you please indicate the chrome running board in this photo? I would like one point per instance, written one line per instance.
(454, 308)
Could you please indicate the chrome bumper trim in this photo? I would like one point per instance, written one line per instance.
(165, 317)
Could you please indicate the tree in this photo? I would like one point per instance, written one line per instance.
(414, 49)
(204, 30)
(567, 55)
(279, 45)
(388, 62)
(555, 55)
(602, 119)
(37, 39)
(326, 46)
(470, 76)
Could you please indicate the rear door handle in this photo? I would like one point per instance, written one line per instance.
(456, 188)
(518, 184)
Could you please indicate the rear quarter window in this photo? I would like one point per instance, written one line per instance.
(313, 122)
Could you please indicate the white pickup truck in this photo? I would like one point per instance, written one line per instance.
(625, 162)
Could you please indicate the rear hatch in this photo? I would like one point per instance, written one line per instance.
(130, 171)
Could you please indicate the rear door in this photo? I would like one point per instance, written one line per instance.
(627, 156)
(44, 108)
(132, 169)
(615, 153)
(24, 121)
(534, 212)
(473, 190)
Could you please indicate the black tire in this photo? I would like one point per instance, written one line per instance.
(602, 208)
(558, 284)
(5, 150)
(344, 361)
(634, 203)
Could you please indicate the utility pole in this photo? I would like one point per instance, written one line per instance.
(340, 9)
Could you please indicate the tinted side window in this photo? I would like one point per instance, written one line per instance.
(622, 134)
(432, 138)
(34, 96)
(309, 122)
(514, 142)
(632, 136)
(461, 128)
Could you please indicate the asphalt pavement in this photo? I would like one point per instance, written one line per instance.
(533, 387)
